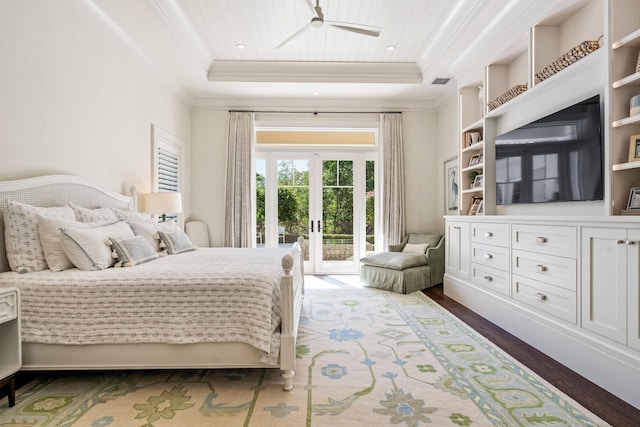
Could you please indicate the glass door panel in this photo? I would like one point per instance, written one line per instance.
(293, 202)
(337, 210)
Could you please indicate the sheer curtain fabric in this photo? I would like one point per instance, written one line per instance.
(393, 208)
(239, 187)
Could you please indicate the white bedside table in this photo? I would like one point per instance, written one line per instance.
(10, 340)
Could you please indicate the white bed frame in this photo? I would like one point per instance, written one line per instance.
(57, 190)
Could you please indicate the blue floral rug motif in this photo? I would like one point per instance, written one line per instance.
(365, 358)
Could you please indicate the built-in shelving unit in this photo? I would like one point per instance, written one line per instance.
(543, 44)
(472, 149)
(625, 77)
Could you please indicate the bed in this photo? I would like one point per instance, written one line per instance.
(173, 312)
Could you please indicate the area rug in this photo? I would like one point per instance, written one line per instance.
(365, 358)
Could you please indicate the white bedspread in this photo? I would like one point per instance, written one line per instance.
(208, 295)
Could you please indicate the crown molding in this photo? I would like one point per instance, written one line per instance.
(315, 72)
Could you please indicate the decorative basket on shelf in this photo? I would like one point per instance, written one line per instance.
(573, 55)
(507, 96)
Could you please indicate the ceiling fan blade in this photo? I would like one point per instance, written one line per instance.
(367, 30)
(313, 9)
(293, 35)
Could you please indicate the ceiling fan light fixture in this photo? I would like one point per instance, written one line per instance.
(317, 22)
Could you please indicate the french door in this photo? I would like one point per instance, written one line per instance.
(326, 198)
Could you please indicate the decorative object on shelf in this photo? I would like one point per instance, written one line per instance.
(477, 181)
(476, 206)
(507, 96)
(634, 105)
(634, 198)
(451, 179)
(634, 148)
(573, 55)
(638, 64)
(473, 138)
(476, 159)
(472, 177)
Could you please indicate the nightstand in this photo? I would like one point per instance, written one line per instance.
(11, 348)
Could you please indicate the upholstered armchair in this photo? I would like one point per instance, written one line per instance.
(414, 264)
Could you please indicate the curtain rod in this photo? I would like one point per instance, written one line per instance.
(315, 113)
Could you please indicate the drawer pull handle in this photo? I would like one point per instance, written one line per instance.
(541, 239)
(488, 278)
(540, 267)
(631, 242)
(488, 256)
(488, 234)
(620, 242)
(541, 296)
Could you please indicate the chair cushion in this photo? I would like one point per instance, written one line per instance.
(395, 260)
(431, 239)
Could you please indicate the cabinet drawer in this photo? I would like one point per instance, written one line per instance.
(8, 306)
(491, 256)
(554, 270)
(551, 299)
(550, 240)
(491, 234)
(490, 278)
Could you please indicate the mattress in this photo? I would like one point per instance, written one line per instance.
(208, 295)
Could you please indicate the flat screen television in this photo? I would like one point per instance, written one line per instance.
(556, 158)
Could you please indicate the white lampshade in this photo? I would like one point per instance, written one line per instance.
(162, 203)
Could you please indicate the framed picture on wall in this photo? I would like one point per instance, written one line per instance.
(451, 180)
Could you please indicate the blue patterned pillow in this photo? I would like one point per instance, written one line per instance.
(132, 251)
(175, 242)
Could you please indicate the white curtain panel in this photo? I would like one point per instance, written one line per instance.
(238, 230)
(393, 209)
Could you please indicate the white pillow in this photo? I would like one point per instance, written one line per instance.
(92, 215)
(149, 230)
(415, 248)
(129, 216)
(133, 251)
(51, 240)
(24, 251)
(88, 248)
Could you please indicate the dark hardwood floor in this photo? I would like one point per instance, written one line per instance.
(599, 401)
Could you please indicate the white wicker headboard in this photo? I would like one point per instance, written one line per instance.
(56, 190)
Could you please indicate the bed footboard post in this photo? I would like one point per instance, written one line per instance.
(288, 380)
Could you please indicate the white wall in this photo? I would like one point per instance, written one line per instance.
(422, 166)
(448, 144)
(76, 99)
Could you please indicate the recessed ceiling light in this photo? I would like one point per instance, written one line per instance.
(241, 46)
(391, 47)
(315, 92)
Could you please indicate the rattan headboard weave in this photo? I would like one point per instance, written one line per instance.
(56, 190)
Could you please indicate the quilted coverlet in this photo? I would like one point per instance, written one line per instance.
(208, 295)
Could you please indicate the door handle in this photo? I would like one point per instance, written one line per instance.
(319, 226)
(311, 226)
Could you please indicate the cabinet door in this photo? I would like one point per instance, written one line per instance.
(457, 243)
(633, 283)
(604, 282)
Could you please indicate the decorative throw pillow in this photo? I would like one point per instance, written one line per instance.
(24, 251)
(128, 216)
(176, 242)
(51, 240)
(92, 215)
(149, 230)
(415, 248)
(89, 248)
(132, 251)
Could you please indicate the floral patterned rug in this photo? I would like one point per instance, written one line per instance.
(365, 358)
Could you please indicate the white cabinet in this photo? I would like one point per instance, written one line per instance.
(457, 249)
(568, 286)
(609, 281)
(10, 340)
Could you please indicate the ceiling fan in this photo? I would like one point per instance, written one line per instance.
(318, 21)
